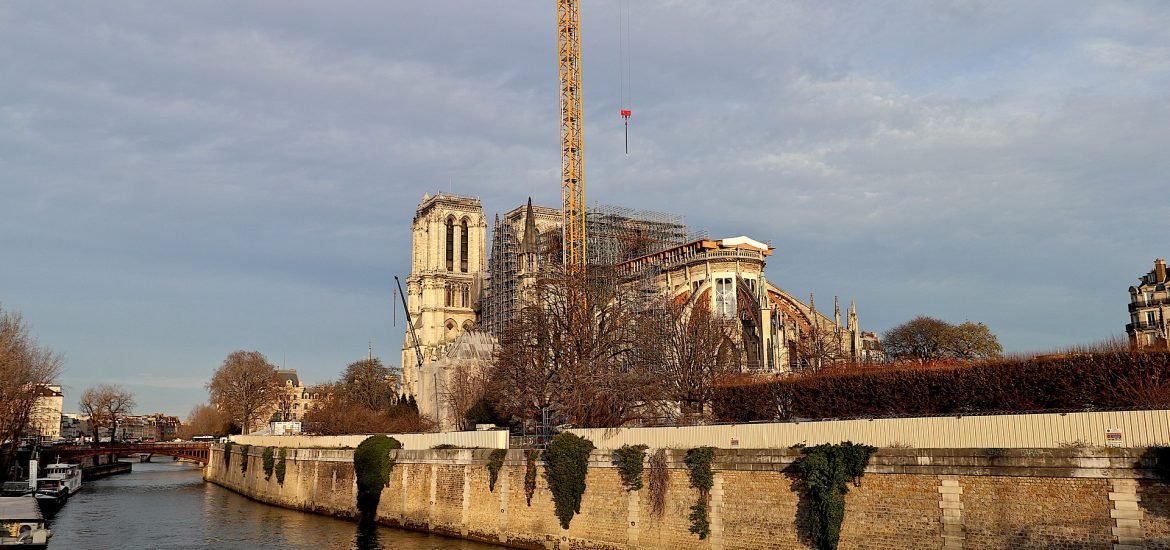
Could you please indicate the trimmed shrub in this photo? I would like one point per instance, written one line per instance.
(495, 462)
(1112, 379)
(372, 465)
(566, 461)
(629, 460)
(825, 470)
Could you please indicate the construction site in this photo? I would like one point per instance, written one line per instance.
(456, 289)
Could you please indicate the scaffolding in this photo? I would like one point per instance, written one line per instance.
(615, 234)
(503, 276)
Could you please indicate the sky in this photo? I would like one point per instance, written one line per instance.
(182, 180)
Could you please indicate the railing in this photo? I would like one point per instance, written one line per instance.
(1143, 303)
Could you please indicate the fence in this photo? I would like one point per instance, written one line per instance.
(486, 439)
(1088, 429)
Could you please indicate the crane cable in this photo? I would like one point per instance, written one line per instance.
(624, 66)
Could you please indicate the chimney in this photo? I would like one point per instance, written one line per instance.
(1159, 270)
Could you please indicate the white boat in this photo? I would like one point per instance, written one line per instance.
(50, 493)
(68, 474)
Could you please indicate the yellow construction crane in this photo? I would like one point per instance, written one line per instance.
(572, 167)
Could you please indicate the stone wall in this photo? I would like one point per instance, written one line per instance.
(909, 498)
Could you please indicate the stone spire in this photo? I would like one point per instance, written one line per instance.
(529, 240)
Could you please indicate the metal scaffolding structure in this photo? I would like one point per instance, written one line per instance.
(499, 301)
(616, 234)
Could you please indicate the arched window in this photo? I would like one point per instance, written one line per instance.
(463, 246)
(450, 301)
(450, 245)
(466, 296)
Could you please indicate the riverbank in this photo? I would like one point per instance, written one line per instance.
(167, 505)
(908, 498)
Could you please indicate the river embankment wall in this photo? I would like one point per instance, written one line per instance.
(1083, 498)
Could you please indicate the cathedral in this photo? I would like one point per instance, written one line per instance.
(454, 289)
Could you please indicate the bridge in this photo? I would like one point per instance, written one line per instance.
(200, 452)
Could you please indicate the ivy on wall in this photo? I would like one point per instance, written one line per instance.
(566, 461)
(530, 457)
(244, 458)
(280, 466)
(372, 464)
(227, 453)
(825, 471)
(269, 460)
(495, 462)
(659, 481)
(698, 461)
(629, 459)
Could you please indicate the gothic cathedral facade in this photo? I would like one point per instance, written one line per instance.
(447, 269)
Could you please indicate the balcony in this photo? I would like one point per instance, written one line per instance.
(1142, 326)
(1143, 303)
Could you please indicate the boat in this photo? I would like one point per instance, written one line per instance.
(60, 481)
(21, 524)
(51, 493)
(68, 474)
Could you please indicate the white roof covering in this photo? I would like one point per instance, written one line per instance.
(744, 240)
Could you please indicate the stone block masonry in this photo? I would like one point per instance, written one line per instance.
(908, 498)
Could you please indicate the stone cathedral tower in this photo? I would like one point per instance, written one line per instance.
(448, 263)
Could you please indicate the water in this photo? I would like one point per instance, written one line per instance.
(167, 505)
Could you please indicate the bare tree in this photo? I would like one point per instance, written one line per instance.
(24, 366)
(823, 346)
(335, 414)
(105, 404)
(368, 383)
(465, 386)
(204, 420)
(246, 388)
(695, 350)
(575, 353)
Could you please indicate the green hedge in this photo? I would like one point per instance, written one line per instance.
(281, 465)
(698, 461)
(566, 462)
(825, 471)
(372, 465)
(495, 462)
(269, 460)
(629, 459)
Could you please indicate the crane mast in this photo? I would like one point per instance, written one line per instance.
(572, 167)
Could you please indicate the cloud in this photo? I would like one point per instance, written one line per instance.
(177, 182)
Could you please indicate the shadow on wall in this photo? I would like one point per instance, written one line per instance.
(803, 507)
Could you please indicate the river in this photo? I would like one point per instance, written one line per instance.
(168, 505)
